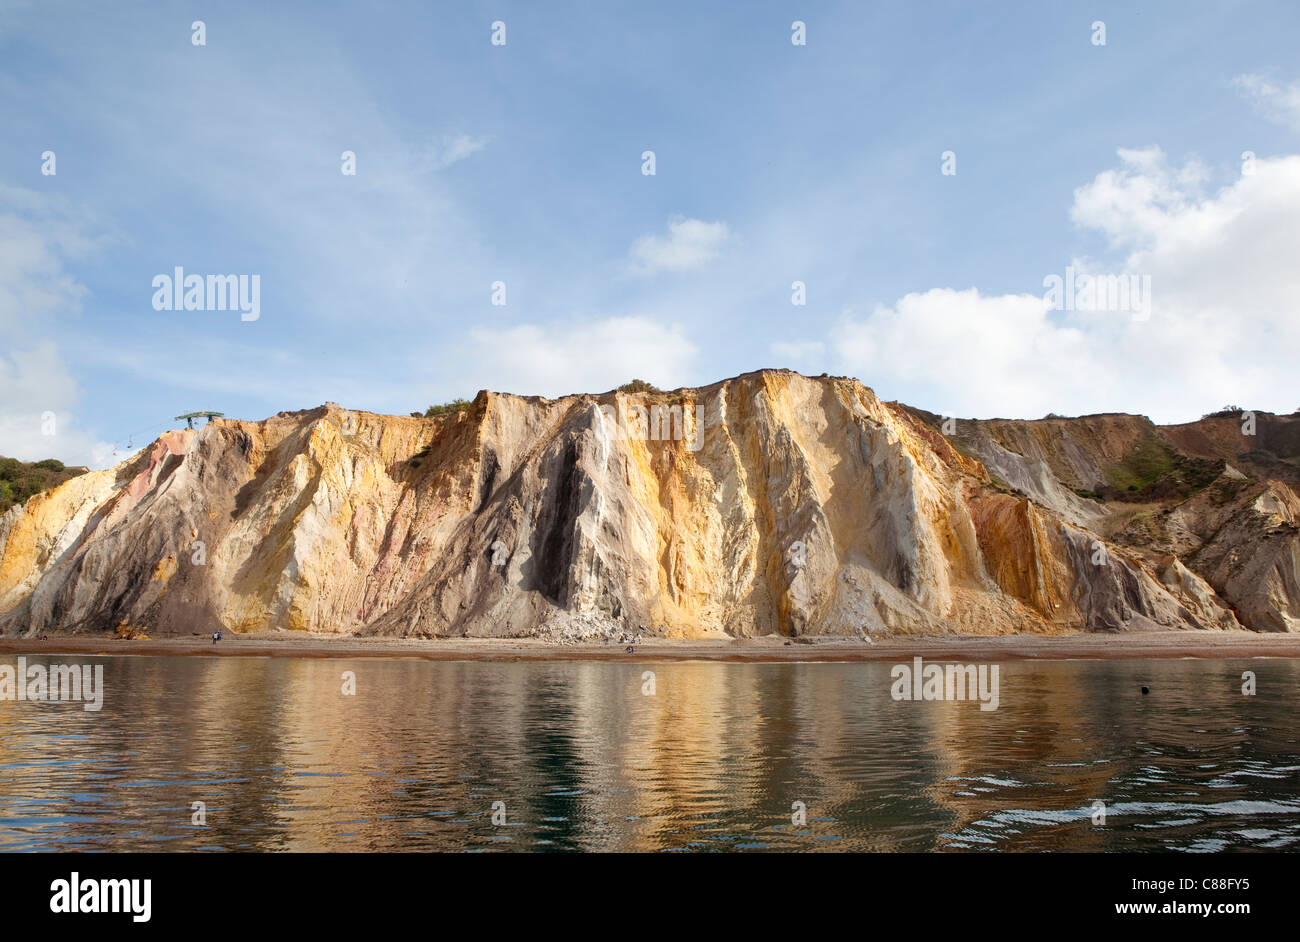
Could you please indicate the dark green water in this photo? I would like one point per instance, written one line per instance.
(714, 760)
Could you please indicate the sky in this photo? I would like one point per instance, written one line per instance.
(922, 169)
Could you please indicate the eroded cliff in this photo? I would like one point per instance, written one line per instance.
(769, 503)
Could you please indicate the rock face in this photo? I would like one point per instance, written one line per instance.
(769, 503)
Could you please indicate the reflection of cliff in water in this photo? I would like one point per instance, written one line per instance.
(714, 759)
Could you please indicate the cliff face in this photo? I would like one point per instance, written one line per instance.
(768, 503)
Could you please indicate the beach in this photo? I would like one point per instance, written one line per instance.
(774, 649)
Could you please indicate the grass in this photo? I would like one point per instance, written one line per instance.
(1155, 471)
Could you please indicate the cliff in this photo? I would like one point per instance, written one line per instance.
(771, 502)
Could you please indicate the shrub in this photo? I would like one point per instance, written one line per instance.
(454, 407)
(19, 480)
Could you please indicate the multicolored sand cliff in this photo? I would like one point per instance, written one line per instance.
(768, 503)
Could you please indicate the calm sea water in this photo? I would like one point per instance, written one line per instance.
(714, 760)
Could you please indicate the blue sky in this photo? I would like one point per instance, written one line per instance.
(521, 163)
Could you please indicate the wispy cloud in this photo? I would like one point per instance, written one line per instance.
(38, 393)
(452, 149)
(1280, 103)
(690, 244)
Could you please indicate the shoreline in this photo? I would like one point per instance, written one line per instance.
(1172, 644)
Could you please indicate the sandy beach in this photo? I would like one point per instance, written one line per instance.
(1173, 644)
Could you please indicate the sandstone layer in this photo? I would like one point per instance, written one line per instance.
(772, 503)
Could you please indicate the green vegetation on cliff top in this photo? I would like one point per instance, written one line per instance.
(19, 480)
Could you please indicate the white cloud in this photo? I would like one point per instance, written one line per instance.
(991, 356)
(1280, 103)
(690, 244)
(1140, 197)
(38, 396)
(586, 357)
(37, 393)
(1221, 262)
(1224, 318)
(36, 235)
